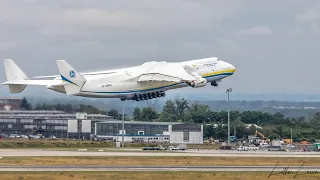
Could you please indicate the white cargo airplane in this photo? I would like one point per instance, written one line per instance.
(147, 81)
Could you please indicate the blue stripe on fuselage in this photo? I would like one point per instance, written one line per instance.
(153, 89)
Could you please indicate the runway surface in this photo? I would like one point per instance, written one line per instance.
(162, 168)
(203, 153)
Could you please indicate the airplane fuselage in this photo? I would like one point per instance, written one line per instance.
(122, 83)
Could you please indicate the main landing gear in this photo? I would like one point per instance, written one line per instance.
(146, 96)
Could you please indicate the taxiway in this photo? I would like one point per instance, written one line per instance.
(163, 168)
(201, 153)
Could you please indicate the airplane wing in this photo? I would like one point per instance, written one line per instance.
(171, 72)
(35, 82)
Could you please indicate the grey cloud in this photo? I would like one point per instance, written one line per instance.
(311, 17)
(255, 31)
(268, 41)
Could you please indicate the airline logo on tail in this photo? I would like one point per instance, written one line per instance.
(72, 74)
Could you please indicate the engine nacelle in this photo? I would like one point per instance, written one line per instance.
(200, 82)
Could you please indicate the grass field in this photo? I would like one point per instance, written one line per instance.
(68, 143)
(148, 175)
(165, 161)
(57, 144)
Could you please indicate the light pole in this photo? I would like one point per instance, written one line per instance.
(229, 90)
(122, 131)
(291, 137)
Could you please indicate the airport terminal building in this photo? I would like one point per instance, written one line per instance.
(165, 132)
(49, 123)
(84, 126)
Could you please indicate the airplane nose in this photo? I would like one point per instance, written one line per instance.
(233, 68)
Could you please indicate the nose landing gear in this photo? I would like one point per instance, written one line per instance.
(214, 83)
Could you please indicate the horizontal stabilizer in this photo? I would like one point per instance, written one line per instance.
(82, 74)
(35, 82)
(14, 73)
(14, 89)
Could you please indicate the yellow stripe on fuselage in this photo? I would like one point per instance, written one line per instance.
(218, 72)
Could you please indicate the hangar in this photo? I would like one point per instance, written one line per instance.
(48, 123)
(83, 126)
(137, 131)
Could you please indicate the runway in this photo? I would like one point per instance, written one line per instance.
(163, 168)
(194, 153)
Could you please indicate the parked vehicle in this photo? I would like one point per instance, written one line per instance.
(151, 148)
(24, 136)
(253, 147)
(52, 137)
(243, 148)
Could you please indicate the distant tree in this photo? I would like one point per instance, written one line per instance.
(68, 108)
(88, 109)
(25, 105)
(197, 113)
(148, 114)
(59, 107)
(169, 113)
(274, 136)
(137, 114)
(181, 107)
(208, 131)
(114, 113)
(280, 131)
(126, 118)
(221, 132)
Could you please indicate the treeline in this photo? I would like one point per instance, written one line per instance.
(68, 108)
(274, 126)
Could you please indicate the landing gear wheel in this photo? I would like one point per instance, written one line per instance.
(214, 83)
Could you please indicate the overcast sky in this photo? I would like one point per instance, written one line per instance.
(275, 45)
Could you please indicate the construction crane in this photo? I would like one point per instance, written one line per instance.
(262, 136)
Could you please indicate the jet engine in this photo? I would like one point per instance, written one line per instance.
(200, 82)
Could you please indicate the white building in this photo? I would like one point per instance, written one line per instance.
(175, 133)
(49, 123)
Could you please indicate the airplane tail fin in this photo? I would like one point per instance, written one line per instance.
(71, 76)
(15, 73)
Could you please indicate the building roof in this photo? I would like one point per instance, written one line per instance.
(46, 114)
(10, 98)
(113, 121)
(31, 112)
